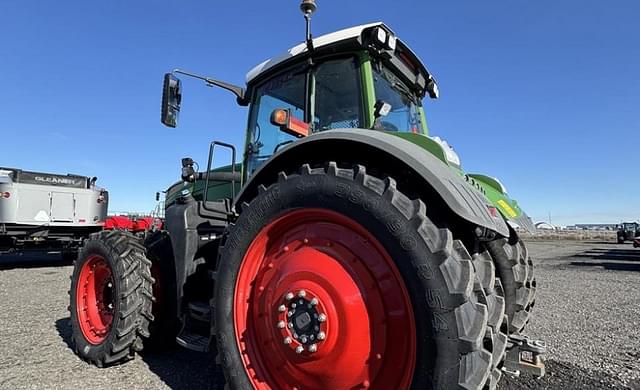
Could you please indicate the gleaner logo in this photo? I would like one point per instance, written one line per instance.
(56, 180)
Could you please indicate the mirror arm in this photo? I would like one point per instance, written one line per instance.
(238, 91)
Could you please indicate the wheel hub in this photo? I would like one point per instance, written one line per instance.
(301, 321)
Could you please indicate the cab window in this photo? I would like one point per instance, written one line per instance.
(336, 103)
(405, 105)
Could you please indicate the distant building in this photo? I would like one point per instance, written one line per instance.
(596, 226)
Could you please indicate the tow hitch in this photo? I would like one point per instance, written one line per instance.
(524, 355)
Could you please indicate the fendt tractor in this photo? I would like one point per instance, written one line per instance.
(348, 249)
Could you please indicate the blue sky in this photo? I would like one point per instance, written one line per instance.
(543, 95)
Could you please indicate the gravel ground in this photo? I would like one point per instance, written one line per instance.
(587, 310)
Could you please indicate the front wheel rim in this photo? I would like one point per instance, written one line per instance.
(94, 299)
(319, 304)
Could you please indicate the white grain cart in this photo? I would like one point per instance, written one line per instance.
(48, 210)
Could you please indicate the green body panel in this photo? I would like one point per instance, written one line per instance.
(217, 189)
(493, 190)
(489, 186)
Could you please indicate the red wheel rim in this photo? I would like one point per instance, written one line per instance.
(314, 272)
(94, 299)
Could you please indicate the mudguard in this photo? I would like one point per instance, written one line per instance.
(464, 200)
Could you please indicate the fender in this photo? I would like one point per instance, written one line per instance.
(360, 146)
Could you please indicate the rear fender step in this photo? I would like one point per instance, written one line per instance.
(524, 355)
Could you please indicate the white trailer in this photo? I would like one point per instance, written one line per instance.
(48, 209)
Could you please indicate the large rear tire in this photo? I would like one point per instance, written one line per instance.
(346, 254)
(110, 298)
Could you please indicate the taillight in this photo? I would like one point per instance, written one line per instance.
(5, 195)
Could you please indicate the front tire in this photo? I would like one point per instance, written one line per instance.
(515, 269)
(110, 298)
(396, 291)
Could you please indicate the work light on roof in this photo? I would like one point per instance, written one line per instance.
(381, 36)
(391, 42)
(383, 39)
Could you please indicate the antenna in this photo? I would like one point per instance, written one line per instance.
(308, 7)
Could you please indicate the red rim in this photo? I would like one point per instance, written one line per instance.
(94, 299)
(319, 304)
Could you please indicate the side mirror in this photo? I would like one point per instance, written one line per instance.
(171, 97)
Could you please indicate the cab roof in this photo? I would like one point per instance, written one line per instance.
(318, 43)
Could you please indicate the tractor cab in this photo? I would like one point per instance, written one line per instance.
(361, 77)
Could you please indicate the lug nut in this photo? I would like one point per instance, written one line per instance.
(299, 349)
(314, 301)
(313, 348)
(289, 314)
(290, 325)
(302, 293)
(287, 340)
(282, 308)
(289, 296)
(304, 339)
(281, 324)
(322, 318)
(321, 336)
(293, 305)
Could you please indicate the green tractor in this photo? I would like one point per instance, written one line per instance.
(348, 249)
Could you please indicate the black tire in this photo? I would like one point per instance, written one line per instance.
(488, 285)
(164, 327)
(515, 269)
(132, 300)
(437, 270)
